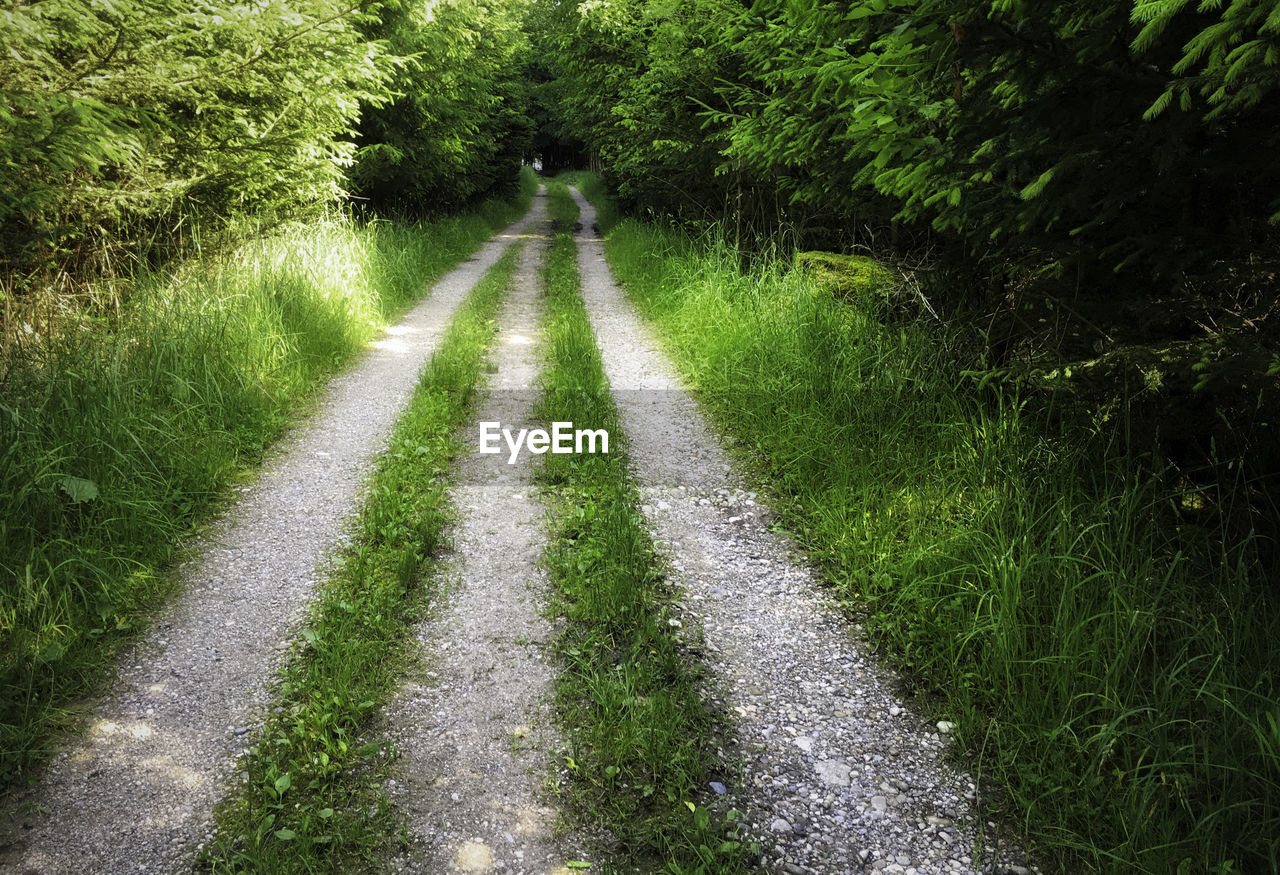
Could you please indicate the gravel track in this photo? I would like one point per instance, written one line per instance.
(475, 724)
(838, 773)
(135, 792)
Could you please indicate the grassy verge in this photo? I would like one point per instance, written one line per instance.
(116, 437)
(313, 799)
(639, 734)
(1109, 657)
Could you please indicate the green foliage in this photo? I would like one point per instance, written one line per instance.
(118, 119)
(458, 124)
(113, 443)
(1005, 128)
(1232, 62)
(133, 131)
(314, 799)
(627, 79)
(1105, 644)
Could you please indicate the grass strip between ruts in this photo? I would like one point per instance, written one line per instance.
(639, 734)
(313, 799)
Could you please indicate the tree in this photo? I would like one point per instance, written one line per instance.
(459, 123)
(1106, 136)
(118, 119)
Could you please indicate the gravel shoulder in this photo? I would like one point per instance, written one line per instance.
(838, 774)
(474, 722)
(135, 792)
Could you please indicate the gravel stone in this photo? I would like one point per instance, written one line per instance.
(786, 662)
(161, 747)
(834, 772)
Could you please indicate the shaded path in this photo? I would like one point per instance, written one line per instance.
(838, 774)
(475, 724)
(136, 792)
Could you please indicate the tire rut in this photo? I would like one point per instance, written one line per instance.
(136, 791)
(838, 774)
(475, 724)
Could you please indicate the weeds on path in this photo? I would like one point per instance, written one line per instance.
(640, 736)
(116, 437)
(313, 799)
(1109, 663)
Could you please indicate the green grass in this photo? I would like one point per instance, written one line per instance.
(313, 800)
(1109, 655)
(640, 737)
(116, 438)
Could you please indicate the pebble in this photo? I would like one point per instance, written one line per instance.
(834, 772)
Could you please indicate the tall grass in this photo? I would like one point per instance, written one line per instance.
(1110, 658)
(116, 439)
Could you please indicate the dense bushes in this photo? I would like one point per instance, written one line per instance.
(122, 123)
(123, 117)
(459, 122)
(1095, 133)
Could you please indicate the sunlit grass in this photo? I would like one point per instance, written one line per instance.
(1108, 663)
(116, 439)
